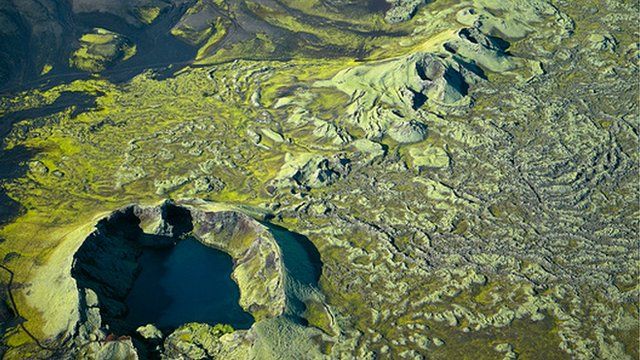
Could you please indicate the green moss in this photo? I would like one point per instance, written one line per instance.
(100, 49)
(317, 316)
(46, 69)
(531, 340)
(147, 14)
(385, 228)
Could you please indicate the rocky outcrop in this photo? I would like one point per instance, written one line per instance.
(150, 332)
(258, 268)
(198, 23)
(109, 349)
(402, 10)
(429, 157)
(484, 50)
(369, 149)
(197, 341)
(100, 49)
(407, 132)
(309, 170)
(389, 97)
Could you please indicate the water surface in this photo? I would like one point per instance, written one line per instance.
(379, 6)
(300, 256)
(189, 282)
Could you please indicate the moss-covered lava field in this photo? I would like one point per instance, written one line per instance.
(392, 179)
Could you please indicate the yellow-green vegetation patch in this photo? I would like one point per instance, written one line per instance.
(46, 68)
(100, 49)
(147, 14)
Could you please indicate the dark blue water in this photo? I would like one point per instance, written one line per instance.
(300, 256)
(379, 5)
(189, 282)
